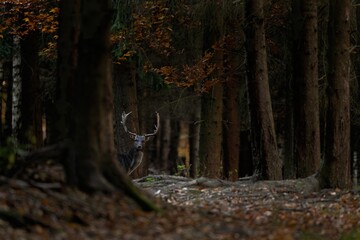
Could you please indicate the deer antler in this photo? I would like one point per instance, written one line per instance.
(123, 122)
(156, 126)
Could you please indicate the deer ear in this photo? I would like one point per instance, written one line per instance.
(147, 139)
(132, 137)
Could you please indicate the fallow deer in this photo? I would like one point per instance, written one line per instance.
(133, 158)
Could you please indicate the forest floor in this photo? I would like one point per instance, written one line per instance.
(192, 209)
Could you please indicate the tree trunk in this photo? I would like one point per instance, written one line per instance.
(16, 88)
(69, 29)
(146, 115)
(234, 56)
(266, 156)
(194, 138)
(211, 132)
(9, 84)
(231, 131)
(336, 168)
(306, 96)
(31, 98)
(212, 102)
(2, 79)
(125, 99)
(91, 146)
(174, 143)
(193, 54)
(165, 143)
(93, 136)
(232, 115)
(289, 164)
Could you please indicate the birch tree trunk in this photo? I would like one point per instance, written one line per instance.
(8, 77)
(16, 89)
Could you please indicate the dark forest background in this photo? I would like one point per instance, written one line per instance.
(244, 88)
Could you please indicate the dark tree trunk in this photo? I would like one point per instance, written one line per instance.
(174, 143)
(8, 111)
(306, 96)
(336, 169)
(289, 164)
(194, 139)
(212, 102)
(193, 54)
(125, 99)
(211, 133)
(246, 167)
(146, 115)
(165, 144)
(93, 137)
(31, 99)
(91, 143)
(234, 56)
(264, 144)
(231, 135)
(69, 29)
(232, 120)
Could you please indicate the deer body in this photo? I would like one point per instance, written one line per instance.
(133, 158)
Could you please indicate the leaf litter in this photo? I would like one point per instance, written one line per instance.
(193, 209)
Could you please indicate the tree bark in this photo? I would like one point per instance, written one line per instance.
(264, 143)
(93, 136)
(336, 169)
(7, 129)
(91, 150)
(212, 102)
(306, 96)
(173, 160)
(231, 134)
(125, 99)
(165, 144)
(211, 133)
(30, 132)
(194, 53)
(69, 30)
(194, 139)
(16, 88)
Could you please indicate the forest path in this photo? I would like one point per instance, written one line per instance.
(290, 209)
(193, 209)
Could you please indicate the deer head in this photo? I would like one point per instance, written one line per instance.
(139, 140)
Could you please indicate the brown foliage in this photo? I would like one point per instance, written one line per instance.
(19, 17)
